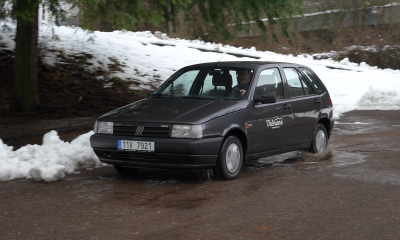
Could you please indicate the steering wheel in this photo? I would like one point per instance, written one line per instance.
(228, 92)
(233, 93)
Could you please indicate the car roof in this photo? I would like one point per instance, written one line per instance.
(241, 64)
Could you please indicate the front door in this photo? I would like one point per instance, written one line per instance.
(270, 122)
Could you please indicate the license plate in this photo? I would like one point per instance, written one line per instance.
(136, 145)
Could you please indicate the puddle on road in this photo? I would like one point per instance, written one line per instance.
(152, 182)
(371, 175)
(291, 157)
(272, 161)
(372, 126)
(346, 158)
(155, 177)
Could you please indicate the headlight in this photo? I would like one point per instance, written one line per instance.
(187, 131)
(105, 127)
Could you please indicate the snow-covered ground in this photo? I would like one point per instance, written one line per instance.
(144, 55)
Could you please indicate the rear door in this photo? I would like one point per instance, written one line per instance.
(269, 126)
(305, 106)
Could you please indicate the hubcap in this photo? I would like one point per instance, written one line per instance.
(232, 158)
(320, 141)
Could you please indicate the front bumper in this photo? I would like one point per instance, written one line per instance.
(169, 152)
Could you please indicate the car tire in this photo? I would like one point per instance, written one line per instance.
(126, 170)
(320, 139)
(230, 160)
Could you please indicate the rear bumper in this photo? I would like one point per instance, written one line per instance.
(169, 153)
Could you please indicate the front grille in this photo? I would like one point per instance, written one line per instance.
(138, 156)
(156, 131)
(147, 130)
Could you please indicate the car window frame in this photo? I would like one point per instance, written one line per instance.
(317, 79)
(258, 72)
(306, 80)
(287, 85)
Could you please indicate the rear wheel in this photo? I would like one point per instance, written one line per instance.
(126, 170)
(230, 159)
(320, 140)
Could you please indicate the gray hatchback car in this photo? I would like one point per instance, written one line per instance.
(216, 115)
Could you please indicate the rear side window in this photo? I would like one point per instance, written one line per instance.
(294, 83)
(313, 79)
(270, 82)
(306, 86)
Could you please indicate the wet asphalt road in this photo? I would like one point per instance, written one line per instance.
(354, 194)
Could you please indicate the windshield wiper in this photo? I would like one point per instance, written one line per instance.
(198, 97)
(163, 94)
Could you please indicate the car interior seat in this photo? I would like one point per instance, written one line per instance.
(223, 79)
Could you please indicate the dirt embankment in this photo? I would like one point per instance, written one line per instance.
(65, 91)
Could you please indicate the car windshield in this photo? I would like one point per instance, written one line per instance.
(207, 83)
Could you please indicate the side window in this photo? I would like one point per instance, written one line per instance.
(313, 79)
(307, 88)
(270, 82)
(294, 83)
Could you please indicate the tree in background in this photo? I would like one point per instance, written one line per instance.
(219, 19)
(207, 19)
(26, 13)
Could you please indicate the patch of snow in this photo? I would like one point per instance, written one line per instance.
(107, 85)
(376, 99)
(354, 123)
(49, 161)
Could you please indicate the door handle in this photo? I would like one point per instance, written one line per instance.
(286, 106)
(317, 100)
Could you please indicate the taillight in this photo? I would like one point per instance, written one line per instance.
(331, 114)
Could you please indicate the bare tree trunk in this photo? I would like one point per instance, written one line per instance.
(26, 58)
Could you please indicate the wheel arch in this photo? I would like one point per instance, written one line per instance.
(327, 124)
(240, 135)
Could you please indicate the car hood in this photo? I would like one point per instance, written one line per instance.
(174, 110)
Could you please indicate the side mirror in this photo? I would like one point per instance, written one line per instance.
(148, 94)
(266, 98)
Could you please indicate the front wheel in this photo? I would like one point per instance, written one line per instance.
(125, 170)
(320, 140)
(230, 159)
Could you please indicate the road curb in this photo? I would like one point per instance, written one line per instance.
(41, 133)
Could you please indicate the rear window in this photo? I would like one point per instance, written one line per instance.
(313, 80)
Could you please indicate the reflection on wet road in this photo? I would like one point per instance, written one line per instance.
(350, 192)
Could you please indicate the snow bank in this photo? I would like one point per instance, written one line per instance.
(144, 55)
(49, 161)
(378, 99)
